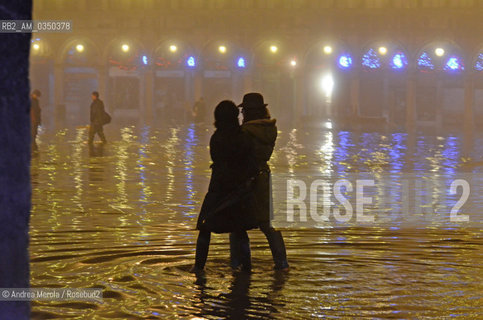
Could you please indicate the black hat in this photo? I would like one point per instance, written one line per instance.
(252, 100)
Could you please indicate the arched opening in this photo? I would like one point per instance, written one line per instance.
(126, 61)
(222, 78)
(327, 68)
(395, 64)
(379, 92)
(273, 76)
(478, 85)
(80, 78)
(174, 65)
(439, 84)
(41, 76)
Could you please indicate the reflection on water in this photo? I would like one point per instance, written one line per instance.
(121, 217)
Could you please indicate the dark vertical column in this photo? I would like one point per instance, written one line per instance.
(469, 115)
(411, 100)
(14, 159)
(149, 96)
(355, 95)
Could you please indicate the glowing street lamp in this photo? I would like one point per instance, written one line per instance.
(439, 52)
(79, 48)
(173, 48)
(36, 46)
(273, 49)
(327, 85)
(327, 49)
(293, 63)
(125, 48)
(382, 50)
(222, 49)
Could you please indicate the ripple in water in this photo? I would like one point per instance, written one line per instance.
(121, 217)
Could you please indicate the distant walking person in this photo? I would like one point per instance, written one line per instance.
(199, 110)
(35, 119)
(98, 118)
(262, 130)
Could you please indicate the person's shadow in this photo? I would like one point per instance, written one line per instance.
(238, 303)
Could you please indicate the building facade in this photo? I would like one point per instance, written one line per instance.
(406, 61)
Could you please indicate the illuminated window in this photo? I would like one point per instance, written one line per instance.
(479, 62)
(191, 62)
(425, 62)
(345, 61)
(371, 60)
(454, 64)
(399, 61)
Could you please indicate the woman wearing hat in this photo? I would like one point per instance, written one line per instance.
(262, 131)
(228, 205)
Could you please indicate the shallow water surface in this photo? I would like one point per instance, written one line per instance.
(121, 217)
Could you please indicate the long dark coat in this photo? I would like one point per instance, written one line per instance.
(97, 112)
(234, 163)
(263, 133)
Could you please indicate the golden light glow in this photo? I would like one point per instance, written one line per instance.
(327, 49)
(222, 49)
(173, 48)
(273, 49)
(36, 46)
(293, 63)
(439, 52)
(125, 48)
(79, 48)
(382, 50)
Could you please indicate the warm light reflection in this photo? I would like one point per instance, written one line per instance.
(164, 173)
(121, 202)
(327, 152)
(291, 151)
(77, 167)
(146, 192)
(189, 165)
(170, 150)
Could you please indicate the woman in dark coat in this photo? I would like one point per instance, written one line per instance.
(226, 207)
(262, 131)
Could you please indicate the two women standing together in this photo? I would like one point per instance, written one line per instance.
(239, 194)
